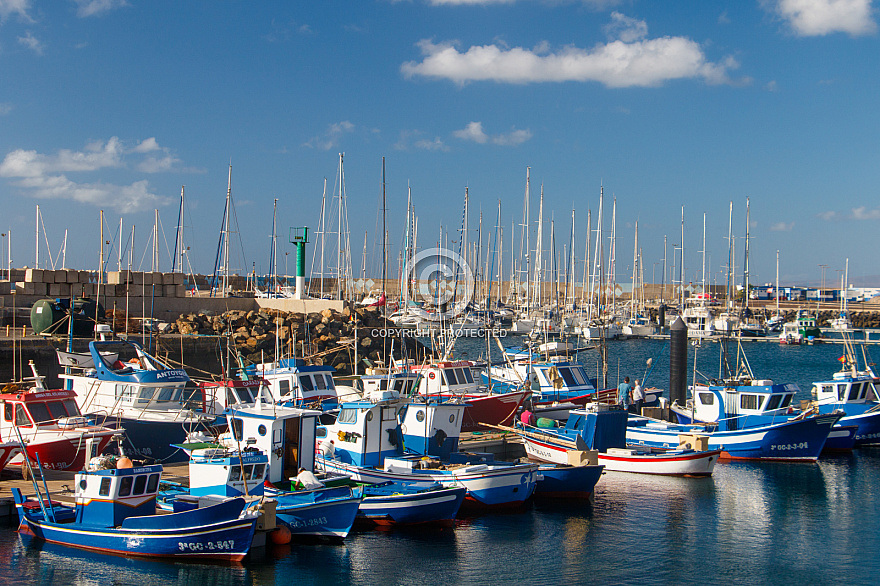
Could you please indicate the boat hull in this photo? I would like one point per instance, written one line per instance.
(332, 518)
(66, 452)
(675, 464)
(221, 540)
(564, 481)
(792, 441)
(487, 486)
(436, 506)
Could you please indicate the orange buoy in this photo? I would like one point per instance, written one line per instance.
(124, 462)
(280, 535)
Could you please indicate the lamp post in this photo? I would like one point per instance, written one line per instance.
(4, 246)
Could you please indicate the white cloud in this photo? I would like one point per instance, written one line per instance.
(31, 42)
(809, 18)
(782, 227)
(625, 28)
(827, 216)
(146, 146)
(330, 138)
(619, 63)
(863, 213)
(431, 145)
(5, 108)
(474, 132)
(45, 176)
(86, 8)
(17, 7)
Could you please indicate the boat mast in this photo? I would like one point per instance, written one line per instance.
(37, 240)
(226, 233)
(539, 261)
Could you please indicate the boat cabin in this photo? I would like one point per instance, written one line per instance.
(41, 409)
(292, 381)
(749, 404)
(105, 498)
(216, 397)
(401, 382)
(366, 432)
(229, 473)
(135, 380)
(845, 388)
(447, 378)
(285, 434)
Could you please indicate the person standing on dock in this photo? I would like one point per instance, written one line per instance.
(638, 398)
(624, 393)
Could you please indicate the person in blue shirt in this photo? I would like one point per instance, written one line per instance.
(624, 393)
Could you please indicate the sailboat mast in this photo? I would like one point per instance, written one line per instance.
(226, 234)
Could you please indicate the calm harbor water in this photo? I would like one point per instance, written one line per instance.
(755, 523)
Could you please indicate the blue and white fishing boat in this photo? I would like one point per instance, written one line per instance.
(386, 439)
(150, 400)
(745, 419)
(115, 512)
(853, 392)
(218, 472)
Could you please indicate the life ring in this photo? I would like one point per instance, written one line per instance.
(432, 375)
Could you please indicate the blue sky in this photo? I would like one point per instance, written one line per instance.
(115, 104)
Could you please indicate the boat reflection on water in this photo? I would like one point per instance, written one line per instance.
(40, 562)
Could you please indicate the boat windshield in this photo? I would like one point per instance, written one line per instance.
(52, 410)
(161, 394)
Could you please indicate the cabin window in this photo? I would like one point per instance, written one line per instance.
(787, 400)
(104, 490)
(398, 385)
(71, 408)
(305, 381)
(567, 377)
(249, 472)
(466, 372)
(369, 416)
(125, 485)
(579, 375)
(235, 474)
(7, 412)
(420, 415)
(319, 381)
(774, 402)
(750, 401)
(124, 393)
(153, 483)
(854, 391)
(329, 380)
(169, 394)
(21, 418)
(259, 470)
(56, 408)
(706, 398)
(389, 413)
(283, 387)
(237, 428)
(261, 429)
(140, 483)
(231, 397)
(321, 432)
(451, 379)
(40, 412)
(347, 415)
